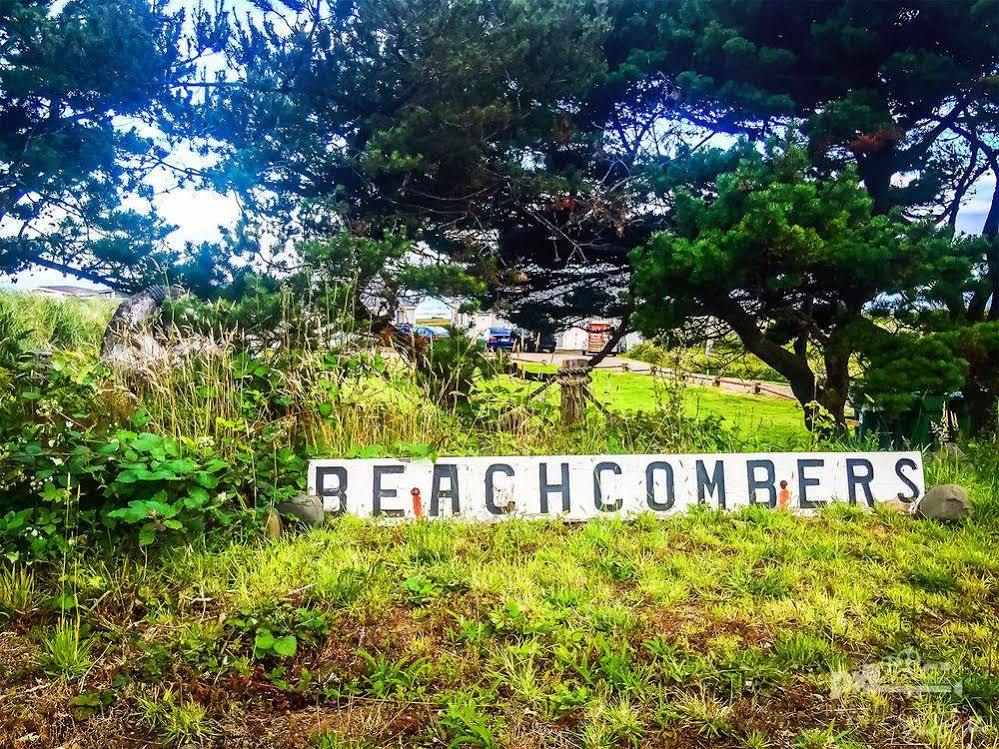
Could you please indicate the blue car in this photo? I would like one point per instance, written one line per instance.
(500, 339)
(425, 331)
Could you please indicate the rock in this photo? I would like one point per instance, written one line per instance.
(897, 505)
(129, 337)
(137, 340)
(272, 527)
(945, 502)
(305, 508)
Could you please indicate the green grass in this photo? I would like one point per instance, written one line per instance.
(706, 629)
(703, 630)
(761, 420)
(65, 652)
(747, 414)
(45, 322)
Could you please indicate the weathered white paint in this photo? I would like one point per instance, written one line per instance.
(578, 487)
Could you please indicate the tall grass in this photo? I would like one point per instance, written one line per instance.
(37, 321)
(318, 403)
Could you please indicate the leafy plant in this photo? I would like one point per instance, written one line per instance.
(65, 652)
(447, 367)
(179, 721)
(390, 679)
(469, 727)
(265, 643)
(420, 590)
(277, 633)
(17, 590)
(183, 506)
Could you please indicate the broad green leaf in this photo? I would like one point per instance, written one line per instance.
(146, 442)
(180, 465)
(286, 646)
(147, 534)
(264, 641)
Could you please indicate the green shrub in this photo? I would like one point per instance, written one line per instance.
(181, 722)
(448, 367)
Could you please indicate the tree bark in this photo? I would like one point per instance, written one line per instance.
(876, 171)
(115, 284)
(834, 394)
(982, 395)
(794, 365)
(990, 230)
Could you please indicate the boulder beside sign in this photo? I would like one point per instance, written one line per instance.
(579, 487)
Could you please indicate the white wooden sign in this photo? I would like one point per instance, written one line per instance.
(578, 487)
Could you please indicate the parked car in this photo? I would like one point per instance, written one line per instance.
(538, 342)
(430, 331)
(504, 339)
(424, 331)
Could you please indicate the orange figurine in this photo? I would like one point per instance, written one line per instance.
(784, 496)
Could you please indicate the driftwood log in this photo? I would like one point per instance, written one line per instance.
(132, 337)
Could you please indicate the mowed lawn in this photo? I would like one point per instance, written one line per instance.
(747, 414)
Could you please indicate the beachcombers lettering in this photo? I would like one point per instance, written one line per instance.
(579, 487)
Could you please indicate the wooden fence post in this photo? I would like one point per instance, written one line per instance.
(574, 378)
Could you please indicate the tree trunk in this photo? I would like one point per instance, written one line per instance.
(876, 172)
(792, 365)
(981, 387)
(982, 396)
(991, 231)
(834, 394)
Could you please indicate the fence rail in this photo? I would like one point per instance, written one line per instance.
(756, 387)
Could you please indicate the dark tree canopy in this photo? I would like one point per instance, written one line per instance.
(497, 134)
(788, 260)
(519, 151)
(526, 139)
(79, 82)
(879, 84)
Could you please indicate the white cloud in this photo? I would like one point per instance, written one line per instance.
(197, 214)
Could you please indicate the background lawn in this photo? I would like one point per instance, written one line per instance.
(748, 415)
(777, 422)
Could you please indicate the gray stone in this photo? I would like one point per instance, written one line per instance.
(945, 502)
(130, 335)
(305, 508)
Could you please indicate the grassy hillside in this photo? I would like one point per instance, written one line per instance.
(44, 322)
(704, 630)
(140, 604)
